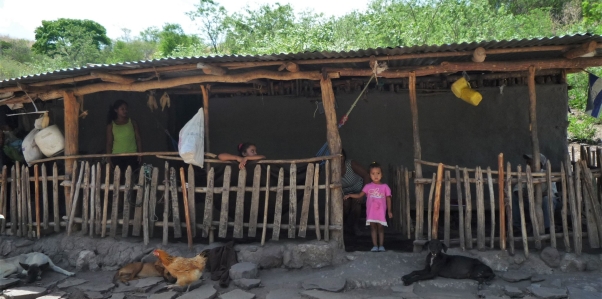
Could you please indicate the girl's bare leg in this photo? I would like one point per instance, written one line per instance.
(381, 233)
(374, 231)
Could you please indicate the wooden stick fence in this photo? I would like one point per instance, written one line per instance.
(121, 202)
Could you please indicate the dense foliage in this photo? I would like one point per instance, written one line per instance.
(277, 28)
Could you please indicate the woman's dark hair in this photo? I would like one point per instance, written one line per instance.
(344, 154)
(242, 148)
(374, 165)
(112, 115)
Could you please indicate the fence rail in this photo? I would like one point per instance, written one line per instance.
(128, 204)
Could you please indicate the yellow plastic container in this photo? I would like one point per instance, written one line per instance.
(458, 86)
(471, 96)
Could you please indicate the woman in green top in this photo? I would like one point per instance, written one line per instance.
(123, 136)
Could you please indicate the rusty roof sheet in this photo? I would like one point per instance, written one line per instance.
(316, 55)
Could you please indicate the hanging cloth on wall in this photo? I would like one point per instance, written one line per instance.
(594, 96)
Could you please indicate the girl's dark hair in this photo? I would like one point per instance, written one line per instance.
(242, 148)
(112, 115)
(374, 165)
(344, 154)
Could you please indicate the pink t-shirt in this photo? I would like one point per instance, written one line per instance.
(376, 202)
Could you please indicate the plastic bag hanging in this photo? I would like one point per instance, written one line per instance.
(191, 145)
(461, 89)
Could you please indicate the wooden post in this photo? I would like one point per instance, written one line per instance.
(127, 197)
(265, 205)
(306, 200)
(509, 208)
(223, 217)
(565, 225)
(186, 207)
(535, 145)
(240, 204)
(417, 156)
(429, 208)
(173, 187)
(502, 207)
(492, 203)
(334, 145)
(191, 200)
(327, 202)
(551, 205)
(115, 206)
(166, 193)
(36, 183)
(437, 203)
(208, 214)
(105, 203)
(45, 207)
(55, 198)
(86, 199)
(316, 206)
(480, 210)
(71, 125)
(278, 208)
(13, 202)
(254, 201)
(205, 92)
(446, 230)
(4, 199)
(521, 206)
(292, 204)
(575, 217)
(533, 209)
(98, 216)
(460, 208)
(468, 216)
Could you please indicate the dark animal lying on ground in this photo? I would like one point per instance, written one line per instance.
(141, 270)
(29, 265)
(449, 266)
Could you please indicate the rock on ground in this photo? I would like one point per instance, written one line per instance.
(237, 294)
(243, 270)
(71, 282)
(7, 283)
(206, 291)
(547, 293)
(247, 284)
(283, 294)
(572, 263)
(331, 284)
(550, 256)
(582, 294)
(86, 260)
(315, 294)
(513, 291)
(24, 293)
(514, 276)
(166, 295)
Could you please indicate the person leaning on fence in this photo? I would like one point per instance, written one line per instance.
(354, 178)
(544, 204)
(247, 152)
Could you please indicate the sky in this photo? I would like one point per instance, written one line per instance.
(19, 18)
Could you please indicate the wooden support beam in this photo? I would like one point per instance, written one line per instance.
(211, 69)
(335, 147)
(112, 78)
(535, 145)
(205, 91)
(71, 118)
(417, 153)
(585, 49)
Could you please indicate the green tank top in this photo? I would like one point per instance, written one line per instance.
(124, 138)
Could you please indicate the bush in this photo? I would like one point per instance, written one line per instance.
(581, 128)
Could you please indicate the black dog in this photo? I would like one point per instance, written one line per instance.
(449, 266)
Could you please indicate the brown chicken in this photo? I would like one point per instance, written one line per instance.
(141, 270)
(185, 270)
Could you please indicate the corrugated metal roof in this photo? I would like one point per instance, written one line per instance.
(316, 55)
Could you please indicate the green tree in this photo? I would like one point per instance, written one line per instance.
(173, 36)
(79, 41)
(211, 17)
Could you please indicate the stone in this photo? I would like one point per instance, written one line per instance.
(572, 263)
(95, 287)
(496, 260)
(351, 257)
(582, 294)
(54, 295)
(147, 282)
(514, 276)
(557, 283)
(537, 278)
(243, 270)
(313, 255)
(283, 294)
(550, 256)
(86, 260)
(166, 295)
(71, 282)
(117, 296)
(247, 284)
(188, 288)
(94, 295)
(512, 291)
(24, 293)
(403, 289)
(519, 259)
(331, 284)
(237, 294)
(206, 291)
(547, 293)
(316, 294)
(77, 294)
(7, 283)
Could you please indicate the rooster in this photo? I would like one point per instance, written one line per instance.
(185, 270)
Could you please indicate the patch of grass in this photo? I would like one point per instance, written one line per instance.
(581, 128)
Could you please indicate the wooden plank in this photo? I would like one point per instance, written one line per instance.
(327, 170)
(579, 201)
(105, 204)
(4, 200)
(55, 198)
(45, 206)
(13, 201)
(509, 208)
(437, 202)
(36, 178)
(74, 178)
(292, 205)
(492, 203)
(407, 193)
(152, 205)
(447, 207)
(278, 209)
(75, 199)
(223, 216)
(186, 209)
(98, 199)
(27, 193)
(20, 231)
(254, 202)
(137, 225)
(502, 210)
(316, 201)
(399, 205)
(127, 197)
(191, 200)
(166, 192)
(85, 200)
(592, 226)
(480, 210)
(208, 213)
(565, 225)
(468, 216)
(417, 156)
(265, 205)
(240, 204)
(115, 206)
(595, 205)
(93, 199)
(551, 205)
(533, 209)
(306, 198)
(145, 203)
(430, 207)
(576, 219)
(460, 208)
(521, 206)
(174, 203)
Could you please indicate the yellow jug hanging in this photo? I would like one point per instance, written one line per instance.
(461, 89)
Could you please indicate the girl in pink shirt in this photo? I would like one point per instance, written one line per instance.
(378, 202)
